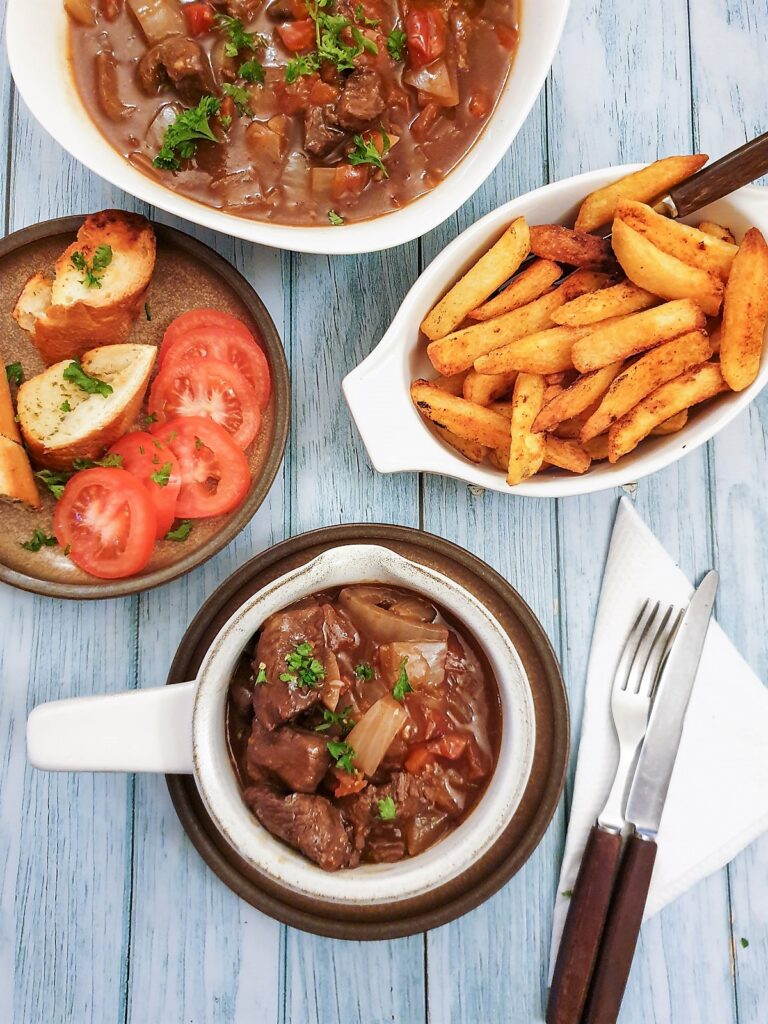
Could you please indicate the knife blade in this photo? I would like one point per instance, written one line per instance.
(645, 806)
(648, 792)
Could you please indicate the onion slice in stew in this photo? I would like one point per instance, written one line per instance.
(80, 10)
(364, 606)
(436, 79)
(371, 737)
(158, 19)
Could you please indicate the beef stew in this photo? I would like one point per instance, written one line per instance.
(364, 727)
(304, 112)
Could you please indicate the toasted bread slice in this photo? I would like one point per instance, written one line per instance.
(73, 312)
(87, 423)
(17, 481)
(8, 426)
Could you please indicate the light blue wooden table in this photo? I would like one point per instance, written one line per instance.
(107, 914)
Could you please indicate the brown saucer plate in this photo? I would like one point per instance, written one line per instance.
(542, 793)
(187, 274)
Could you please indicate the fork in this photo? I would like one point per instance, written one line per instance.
(632, 693)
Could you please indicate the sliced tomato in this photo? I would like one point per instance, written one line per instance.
(155, 465)
(298, 35)
(202, 317)
(215, 476)
(228, 346)
(450, 746)
(349, 180)
(426, 35)
(106, 523)
(200, 18)
(419, 756)
(348, 784)
(207, 387)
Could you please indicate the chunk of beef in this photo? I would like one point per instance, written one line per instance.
(310, 824)
(362, 100)
(362, 809)
(181, 61)
(321, 130)
(297, 757)
(243, 9)
(276, 701)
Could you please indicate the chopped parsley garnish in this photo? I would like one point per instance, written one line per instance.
(239, 95)
(65, 406)
(75, 374)
(198, 444)
(238, 38)
(163, 475)
(360, 15)
(343, 755)
(150, 418)
(14, 373)
(261, 675)
(744, 942)
(396, 44)
(364, 671)
(147, 311)
(335, 218)
(402, 685)
(226, 122)
(181, 532)
(102, 257)
(38, 540)
(387, 809)
(110, 461)
(567, 893)
(365, 152)
(182, 137)
(301, 64)
(340, 718)
(251, 71)
(54, 479)
(306, 671)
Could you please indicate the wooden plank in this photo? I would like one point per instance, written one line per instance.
(635, 105)
(497, 956)
(729, 106)
(340, 309)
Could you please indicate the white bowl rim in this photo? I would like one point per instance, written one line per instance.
(47, 81)
(367, 884)
(423, 452)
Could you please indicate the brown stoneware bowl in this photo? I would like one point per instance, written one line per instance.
(188, 274)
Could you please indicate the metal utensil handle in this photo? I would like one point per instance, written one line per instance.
(584, 927)
(622, 928)
(724, 176)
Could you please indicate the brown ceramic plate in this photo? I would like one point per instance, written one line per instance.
(187, 274)
(541, 796)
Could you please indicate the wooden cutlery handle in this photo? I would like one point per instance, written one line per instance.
(621, 931)
(725, 175)
(583, 927)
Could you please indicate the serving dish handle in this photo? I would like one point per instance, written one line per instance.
(135, 731)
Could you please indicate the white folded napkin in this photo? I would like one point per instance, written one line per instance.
(718, 798)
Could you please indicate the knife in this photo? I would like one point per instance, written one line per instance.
(645, 806)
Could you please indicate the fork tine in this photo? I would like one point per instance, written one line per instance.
(657, 652)
(633, 641)
(644, 649)
(664, 649)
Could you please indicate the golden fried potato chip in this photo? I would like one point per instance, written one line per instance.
(564, 454)
(717, 231)
(526, 452)
(745, 312)
(572, 401)
(617, 300)
(465, 419)
(524, 287)
(484, 388)
(575, 248)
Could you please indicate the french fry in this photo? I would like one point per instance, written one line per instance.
(745, 312)
(458, 351)
(543, 352)
(499, 457)
(672, 425)
(566, 454)
(576, 248)
(556, 378)
(480, 281)
(662, 274)
(598, 448)
(571, 429)
(717, 231)
(503, 408)
(685, 243)
(690, 388)
(465, 419)
(526, 286)
(526, 449)
(484, 388)
(454, 385)
(610, 341)
(644, 185)
(471, 450)
(663, 363)
(618, 300)
(715, 333)
(578, 397)
(551, 391)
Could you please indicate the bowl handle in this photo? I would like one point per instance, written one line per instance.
(135, 731)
